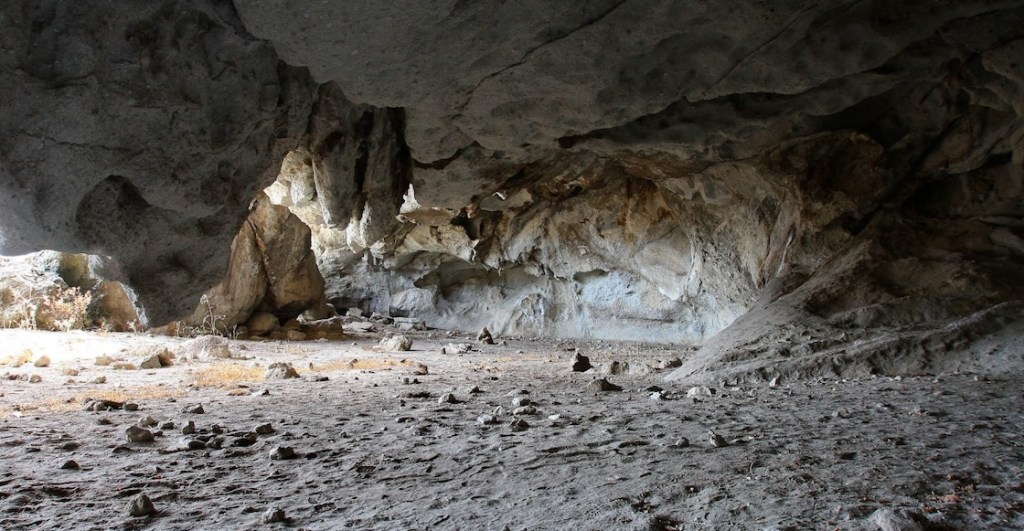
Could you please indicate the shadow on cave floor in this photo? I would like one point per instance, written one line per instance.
(502, 435)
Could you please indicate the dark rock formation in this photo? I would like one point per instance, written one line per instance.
(819, 187)
(140, 130)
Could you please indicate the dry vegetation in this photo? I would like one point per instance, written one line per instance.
(74, 402)
(226, 375)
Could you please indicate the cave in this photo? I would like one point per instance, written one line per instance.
(658, 264)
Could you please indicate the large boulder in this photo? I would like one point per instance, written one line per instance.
(272, 270)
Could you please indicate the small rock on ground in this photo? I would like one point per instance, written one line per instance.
(717, 440)
(581, 363)
(889, 520)
(396, 343)
(136, 434)
(273, 515)
(485, 336)
(280, 371)
(140, 506)
(456, 348)
(283, 453)
(603, 385)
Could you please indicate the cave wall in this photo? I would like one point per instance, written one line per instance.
(743, 175)
(140, 131)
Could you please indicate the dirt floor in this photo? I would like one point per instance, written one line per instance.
(367, 439)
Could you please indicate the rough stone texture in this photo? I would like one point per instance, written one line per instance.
(818, 187)
(654, 170)
(272, 270)
(139, 131)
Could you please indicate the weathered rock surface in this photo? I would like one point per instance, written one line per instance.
(809, 187)
(140, 132)
(272, 272)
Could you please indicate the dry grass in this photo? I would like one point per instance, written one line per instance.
(362, 365)
(75, 402)
(226, 375)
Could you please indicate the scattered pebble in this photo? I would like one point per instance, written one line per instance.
(273, 515)
(167, 426)
(581, 363)
(68, 371)
(264, 429)
(889, 520)
(485, 336)
(700, 392)
(147, 421)
(447, 398)
(283, 453)
(486, 419)
(603, 385)
(189, 428)
(520, 401)
(42, 361)
(248, 439)
(35, 378)
(188, 443)
(195, 409)
(99, 380)
(396, 343)
(519, 425)
(280, 371)
(140, 506)
(524, 410)
(70, 464)
(456, 348)
(102, 405)
(681, 442)
(104, 360)
(136, 434)
(717, 440)
(670, 364)
(131, 406)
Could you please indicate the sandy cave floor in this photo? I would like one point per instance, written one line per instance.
(375, 452)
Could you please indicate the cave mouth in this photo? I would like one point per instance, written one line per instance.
(795, 190)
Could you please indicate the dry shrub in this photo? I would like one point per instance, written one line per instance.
(58, 309)
(226, 375)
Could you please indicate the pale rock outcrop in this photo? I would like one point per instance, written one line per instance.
(272, 276)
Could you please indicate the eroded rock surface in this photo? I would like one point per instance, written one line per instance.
(819, 187)
(141, 132)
